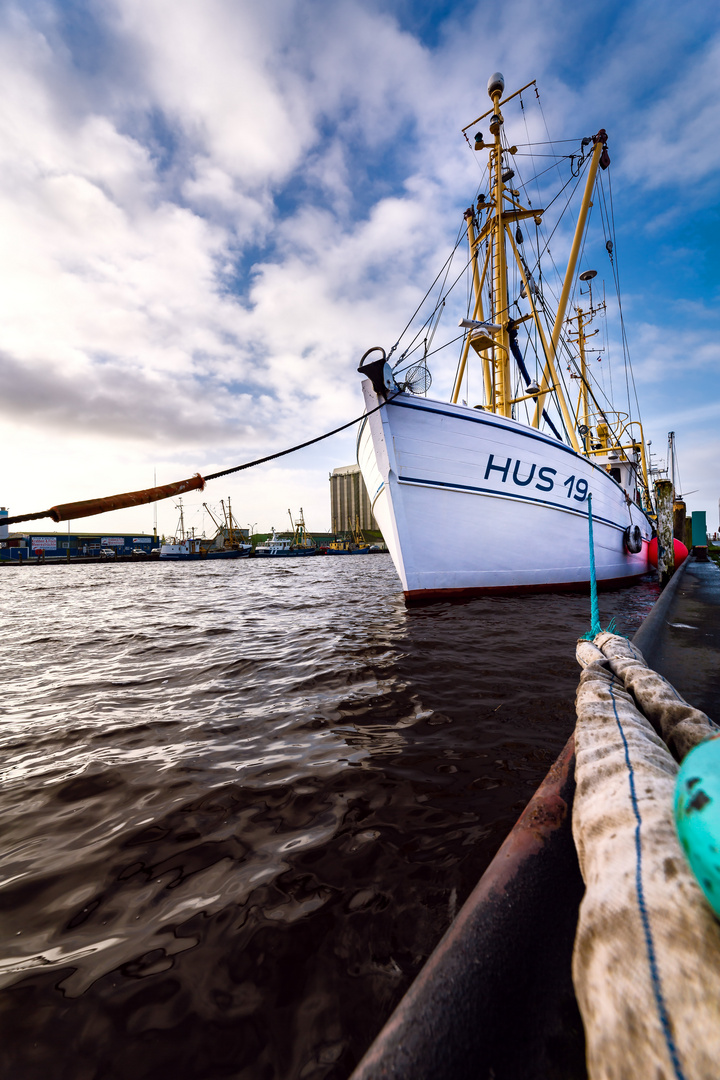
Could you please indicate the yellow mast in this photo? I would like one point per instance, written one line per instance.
(583, 320)
(549, 373)
(503, 392)
(494, 335)
(583, 377)
(230, 522)
(477, 314)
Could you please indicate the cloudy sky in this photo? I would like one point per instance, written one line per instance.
(210, 209)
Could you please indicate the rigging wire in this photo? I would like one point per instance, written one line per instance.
(469, 294)
(611, 253)
(542, 113)
(537, 266)
(551, 143)
(542, 302)
(616, 275)
(409, 349)
(451, 342)
(433, 319)
(418, 308)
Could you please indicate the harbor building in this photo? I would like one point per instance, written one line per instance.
(31, 544)
(349, 501)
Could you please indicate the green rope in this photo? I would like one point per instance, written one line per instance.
(595, 627)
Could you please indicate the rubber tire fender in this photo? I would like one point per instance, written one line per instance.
(633, 539)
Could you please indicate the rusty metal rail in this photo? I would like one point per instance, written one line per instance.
(495, 999)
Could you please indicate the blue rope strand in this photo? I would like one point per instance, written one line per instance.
(644, 917)
(594, 610)
(595, 627)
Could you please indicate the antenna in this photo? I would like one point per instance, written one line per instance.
(671, 458)
(218, 526)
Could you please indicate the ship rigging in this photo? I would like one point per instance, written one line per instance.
(532, 343)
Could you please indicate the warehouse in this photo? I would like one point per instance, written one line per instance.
(56, 545)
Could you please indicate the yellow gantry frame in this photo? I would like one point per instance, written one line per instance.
(549, 372)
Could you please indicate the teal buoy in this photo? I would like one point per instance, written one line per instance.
(697, 816)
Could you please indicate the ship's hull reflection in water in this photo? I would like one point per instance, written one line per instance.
(241, 803)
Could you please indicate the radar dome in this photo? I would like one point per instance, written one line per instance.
(496, 83)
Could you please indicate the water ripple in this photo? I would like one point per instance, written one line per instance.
(243, 802)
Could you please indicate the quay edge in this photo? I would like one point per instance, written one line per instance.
(495, 998)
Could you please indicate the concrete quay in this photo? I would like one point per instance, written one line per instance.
(681, 636)
(496, 996)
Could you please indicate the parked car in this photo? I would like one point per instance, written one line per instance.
(107, 553)
(140, 551)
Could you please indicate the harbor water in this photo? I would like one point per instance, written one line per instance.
(242, 801)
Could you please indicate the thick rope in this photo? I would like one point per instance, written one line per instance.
(642, 906)
(300, 446)
(87, 508)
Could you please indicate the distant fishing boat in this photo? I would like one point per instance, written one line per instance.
(229, 536)
(506, 483)
(351, 543)
(226, 544)
(299, 544)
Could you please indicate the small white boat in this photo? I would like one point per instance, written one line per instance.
(299, 544)
(282, 547)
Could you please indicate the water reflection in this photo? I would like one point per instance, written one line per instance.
(241, 804)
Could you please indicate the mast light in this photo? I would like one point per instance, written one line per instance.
(476, 324)
(588, 275)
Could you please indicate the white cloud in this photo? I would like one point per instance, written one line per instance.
(205, 232)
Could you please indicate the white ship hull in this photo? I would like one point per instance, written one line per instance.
(471, 502)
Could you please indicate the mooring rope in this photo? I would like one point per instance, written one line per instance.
(643, 907)
(300, 446)
(595, 627)
(594, 610)
(89, 507)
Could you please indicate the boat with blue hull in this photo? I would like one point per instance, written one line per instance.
(228, 543)
(299, 545)
(282, 547)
